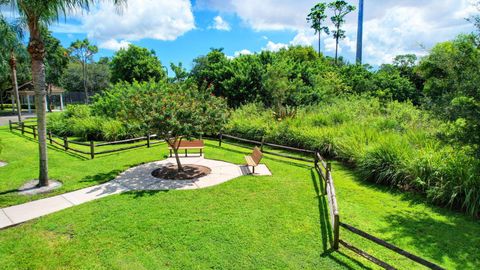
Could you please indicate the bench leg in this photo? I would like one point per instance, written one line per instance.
(170, 152)
(201, 152)
(253, 169)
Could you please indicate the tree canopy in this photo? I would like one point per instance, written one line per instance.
(136, 64)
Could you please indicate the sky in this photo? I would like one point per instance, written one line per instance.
(181, 30)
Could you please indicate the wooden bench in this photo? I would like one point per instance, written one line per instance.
(254, 159)
(187, 145)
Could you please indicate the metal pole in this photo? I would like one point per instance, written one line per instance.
(360, 32)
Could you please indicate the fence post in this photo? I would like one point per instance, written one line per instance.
(220, 140)
(328, 175)
(22, 127)
(336, 231)
(50, 137)
(148, 140)
(92, 150)
(34, 129)
(261, 143)
(315, 158)
(65, 143)
(10, 124)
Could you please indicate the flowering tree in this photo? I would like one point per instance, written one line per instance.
(173, 111)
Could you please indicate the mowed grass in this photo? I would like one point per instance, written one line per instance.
(271, 222)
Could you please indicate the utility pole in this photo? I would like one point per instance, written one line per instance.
(360, 32)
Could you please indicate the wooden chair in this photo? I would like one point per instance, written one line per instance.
(254, 159)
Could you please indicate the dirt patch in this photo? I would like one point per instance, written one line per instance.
(190, 171)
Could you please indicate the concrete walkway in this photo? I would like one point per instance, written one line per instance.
(14, 118)
(134, 179)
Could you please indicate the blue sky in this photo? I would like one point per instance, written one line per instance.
(180, 30)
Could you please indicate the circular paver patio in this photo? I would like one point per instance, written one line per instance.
(140, 177)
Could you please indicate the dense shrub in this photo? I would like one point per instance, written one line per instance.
(78, 121)
(389, 143)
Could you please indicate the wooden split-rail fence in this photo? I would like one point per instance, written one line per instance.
(90, 148)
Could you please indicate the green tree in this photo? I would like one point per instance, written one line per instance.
(12, 35)
(209, 71)
(317, 18)
(37, 13)
(56, 61)
(83, 51)
(181, 74)
(340, 9)
(136, 64)
(173, 111)
(98, 77)
(452, 87)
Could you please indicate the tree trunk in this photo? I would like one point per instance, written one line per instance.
(1, 100)
(319, 42)
(36, 48)
(175, 147)
(49, 97)
(13, 66)
(84, 69)
(336, 51)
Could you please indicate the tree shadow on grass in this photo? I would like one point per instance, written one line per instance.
(8, 191)
(143, 193)
(100, 178)
(438, 239)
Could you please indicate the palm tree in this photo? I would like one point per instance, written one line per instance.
(340, 9)
(316, 18)
(83, 51)
(11, 35)
(35, 14)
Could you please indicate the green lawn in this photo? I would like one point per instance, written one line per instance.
(275, 222)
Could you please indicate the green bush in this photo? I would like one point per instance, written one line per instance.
(78, 121)
(389, 143)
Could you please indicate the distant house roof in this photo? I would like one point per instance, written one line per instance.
(26, 89)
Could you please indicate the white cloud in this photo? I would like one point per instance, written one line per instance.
(391, 27)
(114, 45)
(220, 24)
(242, 52)
(303, 38)
(140, 19)
(274, 47)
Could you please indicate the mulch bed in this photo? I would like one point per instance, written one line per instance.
(190, 171)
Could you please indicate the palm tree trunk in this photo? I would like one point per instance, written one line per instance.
(36, 48)
(13, 66)
(336, 51)
(84, 66)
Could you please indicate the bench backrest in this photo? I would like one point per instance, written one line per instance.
(194, 143)
(256, 155)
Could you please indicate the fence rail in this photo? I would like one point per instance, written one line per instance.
(66, 144)
(262, 143)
